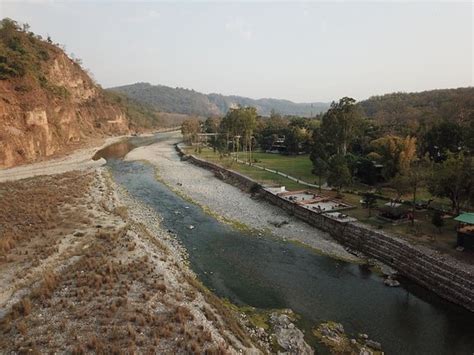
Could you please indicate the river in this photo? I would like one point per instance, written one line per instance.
(265, 272)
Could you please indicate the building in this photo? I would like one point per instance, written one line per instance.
(465, 230)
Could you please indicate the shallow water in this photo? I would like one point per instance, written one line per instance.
(265, 272)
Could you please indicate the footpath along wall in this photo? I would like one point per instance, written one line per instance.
(444, 277)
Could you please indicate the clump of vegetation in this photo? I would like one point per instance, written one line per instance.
(333, 335)
(437, 219)
(141, 115)
(21, 52)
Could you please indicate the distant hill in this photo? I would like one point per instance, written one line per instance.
(185, 101)
(412, 110)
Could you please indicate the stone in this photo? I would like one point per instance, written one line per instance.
(288, 336)
(364, 351)
(391, 282)
(374, 345)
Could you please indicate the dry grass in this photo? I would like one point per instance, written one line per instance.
(32, 208)
(110, 293)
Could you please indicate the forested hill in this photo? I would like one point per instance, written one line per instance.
(422, 108)
(167, 99)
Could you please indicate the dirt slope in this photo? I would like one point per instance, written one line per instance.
(47, 101)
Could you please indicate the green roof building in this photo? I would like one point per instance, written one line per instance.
(465, 230)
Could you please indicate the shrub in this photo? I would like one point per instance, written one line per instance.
(437, 220)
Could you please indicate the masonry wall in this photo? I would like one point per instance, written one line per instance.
(444, 277)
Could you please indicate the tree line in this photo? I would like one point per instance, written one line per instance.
(347, 147)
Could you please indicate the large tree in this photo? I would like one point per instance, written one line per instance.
(443, 138)
(340, 122)
(395, 153)
(319, 156)
(190, 129)
(239, 124)
(339, 175)
(454, 179)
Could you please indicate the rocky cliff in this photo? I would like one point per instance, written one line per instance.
(48, 103)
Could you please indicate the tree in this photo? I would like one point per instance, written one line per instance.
(319, 156)
(211, 125)
(370, 200)
(444, 137)
(437, 220)
(240, 122)
(416, 177)
(297, 139)
(320, 168)
(340, 123)
(9, 27)
(190, 129)
(395, 153)
(410, 182)
(270, 129)
(248, 117)
(366, 171)
(401, 185)
(339, 174)
(453, 179)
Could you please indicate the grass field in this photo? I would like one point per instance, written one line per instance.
(264, 177)
(298, 166)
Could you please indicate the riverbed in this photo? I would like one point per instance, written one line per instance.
(264, 271)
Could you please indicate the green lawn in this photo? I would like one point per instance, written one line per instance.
(261, 176)
(298, 166)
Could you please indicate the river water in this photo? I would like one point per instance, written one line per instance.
(267, 273)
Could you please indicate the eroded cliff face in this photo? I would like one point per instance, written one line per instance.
(47, 113)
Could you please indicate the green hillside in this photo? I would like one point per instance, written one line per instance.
(179, 100)
(410, 111)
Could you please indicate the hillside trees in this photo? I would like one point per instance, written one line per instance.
(405, 113)
(21, 52)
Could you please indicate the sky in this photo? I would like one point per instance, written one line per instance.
(301, 51)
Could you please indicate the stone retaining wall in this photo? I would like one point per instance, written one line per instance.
(446, 278)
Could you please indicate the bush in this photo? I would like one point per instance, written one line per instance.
(437, 220)
(254, 188)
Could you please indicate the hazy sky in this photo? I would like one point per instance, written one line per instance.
(316, 51)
